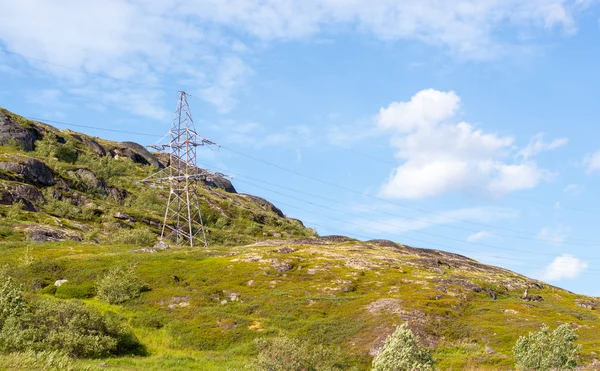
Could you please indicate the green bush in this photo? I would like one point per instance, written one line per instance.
(286, 354)
(69, 326)
(5, 231)
(119, 285)
(545, 350)
(12, 302)
(49, 290)
(140, 237)
(65, 153)
(55, 325)
(72, 291)
(401, 352)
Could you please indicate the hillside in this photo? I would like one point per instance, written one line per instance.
(72, 208)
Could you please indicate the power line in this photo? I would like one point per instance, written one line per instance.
(312, 138)
(90, 127)
(590, 242)
(406, 237)
(375, 197)
(89, 72)
(392, 225)
(579, 241)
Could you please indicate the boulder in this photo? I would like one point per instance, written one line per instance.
(123, 216)
(39, 233)
(18, 131)
(96, 147)
(11, 193)
(90, 179)
(138, 154)
(32, 171)
(220, 183)
(264, 204)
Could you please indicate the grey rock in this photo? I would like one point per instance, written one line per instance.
(11, 193)
(90, 179)
(137, 154)
(161, 245)
(264, 204)
(123, 216)
(285, 250)
(13, 131)
(117, 194)
(38, 233)
(220, 183)
(96, 147)
(32, 170)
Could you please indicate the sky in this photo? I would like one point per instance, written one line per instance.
(468, 126)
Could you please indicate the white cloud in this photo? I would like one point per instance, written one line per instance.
(425, 109)
(192, 43)
(482, 235)
(466, 28)
(537, 145)
(563, 267)
(440, 157)
(402, 225)
(554, 236)
(592, 162)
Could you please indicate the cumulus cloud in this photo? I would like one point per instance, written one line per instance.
(440, 156)
(563, 267)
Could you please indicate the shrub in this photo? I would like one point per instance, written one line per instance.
(119, 285)
(11, 299)
(401, 352)
(545, 350)
(286, 354)
(71, 291)
(140, 237)
(68, 326)
(5, 231)
(65, 153)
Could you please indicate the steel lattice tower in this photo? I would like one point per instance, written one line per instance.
(183, 219)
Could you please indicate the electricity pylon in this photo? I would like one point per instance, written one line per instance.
(183, 219)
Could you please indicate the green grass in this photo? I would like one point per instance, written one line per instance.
(206, 334)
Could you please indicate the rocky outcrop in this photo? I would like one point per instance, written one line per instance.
(43, 233)
(266, 205)
(220, 183)
(137, 154)
(11, 193)
(31, 170)
(12, 130)
(90, 143)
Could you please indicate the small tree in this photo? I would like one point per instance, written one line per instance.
(401, 352)
(119, 285)
(545, 350)
(12, 302)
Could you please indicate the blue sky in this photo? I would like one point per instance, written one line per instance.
(467, 126)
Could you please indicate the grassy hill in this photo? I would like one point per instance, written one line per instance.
(71, 209)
